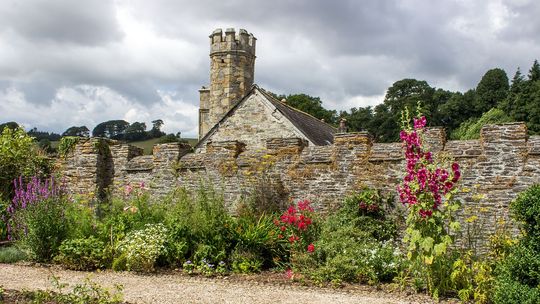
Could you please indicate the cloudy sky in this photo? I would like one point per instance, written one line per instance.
(65, 62)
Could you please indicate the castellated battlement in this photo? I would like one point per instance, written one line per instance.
(231, 41)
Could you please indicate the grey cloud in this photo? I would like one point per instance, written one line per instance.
(63, 21)
(351, 48)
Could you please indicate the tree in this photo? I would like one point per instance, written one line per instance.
(81, 131)
(384, 127)
(312, 106)
(113, 129)
(39, 135)
(156, 132)
(359, 119)
(135, 131)
(407, 93)
(19, 156)
(11, 124)
(456, 110)
(491, 91)
(534, 72)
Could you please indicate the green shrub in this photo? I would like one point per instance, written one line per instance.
(45, 229)
(356, 244)
(518, 276)
(82, 254)
(347, 253)
(199, 219)
(143, 247)
(11, 254)
(470, 129)
(3, 219)
(510, 291)
(526, 209)
(246, 261)
(122, 214)
(119, 263)
(259, 237)
(19, 156)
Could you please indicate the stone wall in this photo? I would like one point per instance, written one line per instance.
(240, 126)
(504, 162)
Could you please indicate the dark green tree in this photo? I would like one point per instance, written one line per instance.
(11, 124)
(311, 105)
(384, 127)
(156, 132)
(358, 119)
(113, 129)
(136, 131)
(534, 72)
(81, 131)
(405, 93)
(491, 91)
(456, 110)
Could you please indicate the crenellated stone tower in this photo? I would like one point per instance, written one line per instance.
(232, 64)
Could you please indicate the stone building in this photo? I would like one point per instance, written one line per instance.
(233, 108)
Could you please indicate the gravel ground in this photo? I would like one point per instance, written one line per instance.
(179, 288)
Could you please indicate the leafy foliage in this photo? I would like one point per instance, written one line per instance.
(19, 156)
(37, 218)
(11, 254)
(518, 279)
(356, 244)
(82, 254)
(67, 144)
(490, 91)
(142, 248)
(81, 131)
(471, 128)
(88, 292)
(311, 105)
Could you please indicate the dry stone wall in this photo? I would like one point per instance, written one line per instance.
(504, 162)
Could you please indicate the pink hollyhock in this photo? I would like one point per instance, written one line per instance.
(311, 248)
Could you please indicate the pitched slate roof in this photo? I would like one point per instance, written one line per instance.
(316, 131)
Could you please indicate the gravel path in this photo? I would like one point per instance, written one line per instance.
(178, 288)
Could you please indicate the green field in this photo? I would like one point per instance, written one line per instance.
(145, 144)
(148, 144)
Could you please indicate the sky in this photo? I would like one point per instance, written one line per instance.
(70, 63)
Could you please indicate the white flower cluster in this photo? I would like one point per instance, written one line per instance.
(143, 247)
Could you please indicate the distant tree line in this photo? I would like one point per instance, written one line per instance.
(494, 100)
(113, 129)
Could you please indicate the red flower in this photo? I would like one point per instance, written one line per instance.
(289, 274)
(282, 228)
(310, 248)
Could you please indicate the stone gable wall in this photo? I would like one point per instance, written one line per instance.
(239, 126)
(504, 162)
